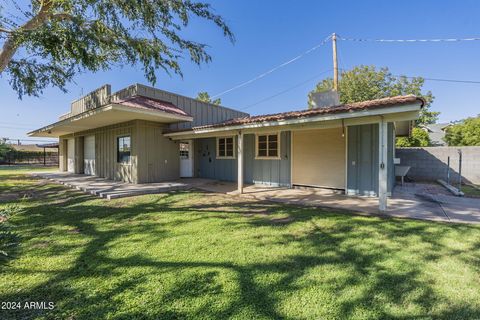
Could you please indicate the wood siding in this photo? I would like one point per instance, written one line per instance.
(94, 99)
(158, 157)
(270, 172)
(153, 157)
(363, 159)
(203, 113)
(319, 158)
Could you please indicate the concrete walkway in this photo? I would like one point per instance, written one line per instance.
(110, 189)
(413, 200)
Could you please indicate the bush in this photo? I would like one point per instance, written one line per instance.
(465, 133)
(418, 138)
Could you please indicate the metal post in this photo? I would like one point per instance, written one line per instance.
(383, 165)
(240, 162)
(459, 170)
(448, 170)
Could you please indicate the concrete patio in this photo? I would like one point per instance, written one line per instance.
(413, 200)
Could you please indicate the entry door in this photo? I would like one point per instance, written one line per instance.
(89, 155)
(71, 155)
(186, 159)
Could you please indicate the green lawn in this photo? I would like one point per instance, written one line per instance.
(197, 255)
(470, 191)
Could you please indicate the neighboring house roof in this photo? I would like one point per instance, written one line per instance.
(48, 145)
(436, 132)
(344, 108)
(151, 104)
(29, 147)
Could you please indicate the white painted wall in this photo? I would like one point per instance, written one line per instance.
(71, 155)
(89, 155)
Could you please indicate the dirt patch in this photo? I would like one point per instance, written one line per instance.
(284, 220)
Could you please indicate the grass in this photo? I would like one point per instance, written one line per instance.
(471, 191)
(197, 255)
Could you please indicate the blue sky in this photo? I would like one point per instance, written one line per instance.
(270, 32)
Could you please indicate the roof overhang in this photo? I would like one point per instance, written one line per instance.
(401, 115)
(104, 116)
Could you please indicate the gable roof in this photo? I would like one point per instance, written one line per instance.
(343, 108)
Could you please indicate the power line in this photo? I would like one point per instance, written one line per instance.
(286, 90)
(273, 69)
(433, 79)
(408, 40)
(30, 140)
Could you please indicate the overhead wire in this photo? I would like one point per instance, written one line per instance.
(266, 73)
(286, 90)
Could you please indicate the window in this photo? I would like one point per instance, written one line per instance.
(225, 148)
(268, 146)
(123, 149)
(184, 146)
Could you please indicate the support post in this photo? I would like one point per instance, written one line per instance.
(44, 157)
(335, 62)
(240, 162)
(383, 165)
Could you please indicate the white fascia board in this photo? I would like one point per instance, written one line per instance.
(340, 116)
(110, 107)
(71, 119)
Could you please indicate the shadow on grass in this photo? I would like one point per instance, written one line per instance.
(375, 287)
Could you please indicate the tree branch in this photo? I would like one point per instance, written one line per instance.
(10, 46)
(5, 30)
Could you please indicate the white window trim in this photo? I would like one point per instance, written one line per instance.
(278, 157)
(218, 149)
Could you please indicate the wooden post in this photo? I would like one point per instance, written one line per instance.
(240, 162)
(44, 157)
(383, 165)
(335, 62)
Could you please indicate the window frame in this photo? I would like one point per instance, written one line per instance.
(218, 156)
(267, 157)
(117, 140)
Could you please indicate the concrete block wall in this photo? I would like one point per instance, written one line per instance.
(430, 164)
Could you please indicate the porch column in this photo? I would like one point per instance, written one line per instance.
(240, 162)
(383, 165)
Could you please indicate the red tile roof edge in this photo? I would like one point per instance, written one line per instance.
(343, 108)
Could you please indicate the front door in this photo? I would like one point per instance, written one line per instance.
(186, 159)
(71, 155)
(89, 155)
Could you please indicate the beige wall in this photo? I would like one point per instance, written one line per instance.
(319, 158)
(154, 158)
(158, 158)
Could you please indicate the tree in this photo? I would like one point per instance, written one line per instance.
(367, 83)
(4, 150)
(205, 97)
(464, 133)
(49, 41)
(418, 138)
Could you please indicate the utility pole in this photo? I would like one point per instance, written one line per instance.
(335, 62)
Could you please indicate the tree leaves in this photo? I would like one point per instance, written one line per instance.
(97, 35)
(367, 83)
(465, 133)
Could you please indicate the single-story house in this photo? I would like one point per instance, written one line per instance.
(142, 134)
(436, 133)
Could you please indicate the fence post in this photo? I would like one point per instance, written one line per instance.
(448, 170)
(459, 169)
